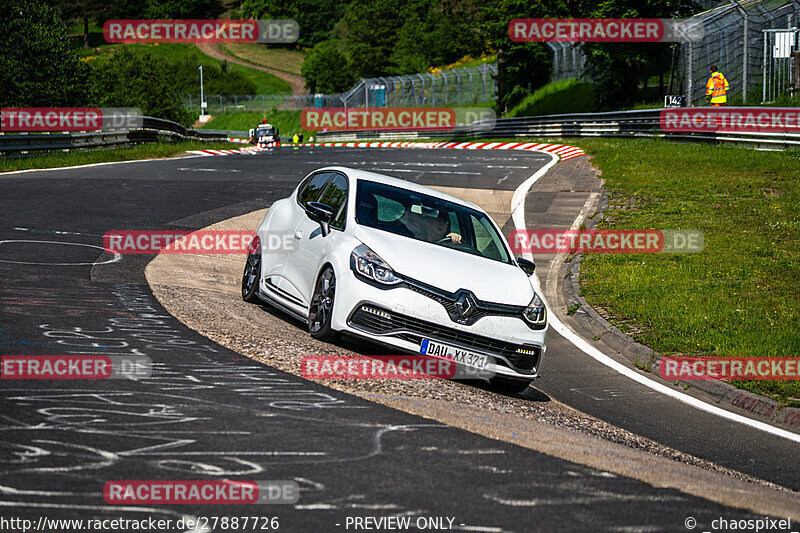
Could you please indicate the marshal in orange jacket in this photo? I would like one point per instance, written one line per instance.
(717, 89)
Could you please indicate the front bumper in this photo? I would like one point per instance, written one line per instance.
(401, 318)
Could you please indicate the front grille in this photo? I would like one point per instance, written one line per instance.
(448, 301)
(381, 321)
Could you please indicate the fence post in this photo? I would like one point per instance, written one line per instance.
(746, 59)
(690, 73)
(764, 71)
(796, 73)
(484, 83)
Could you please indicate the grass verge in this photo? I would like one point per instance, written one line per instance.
(565, 96)
(287, 122)
(107, 155)
(282, 59)
(738, 297)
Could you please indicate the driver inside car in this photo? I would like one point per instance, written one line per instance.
(439, 229)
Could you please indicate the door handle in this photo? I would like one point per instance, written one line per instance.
(298, 235)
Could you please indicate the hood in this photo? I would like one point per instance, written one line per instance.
(449, 269)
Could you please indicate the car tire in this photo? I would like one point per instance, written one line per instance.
(511, 386)
(320, 311)
(252, 272)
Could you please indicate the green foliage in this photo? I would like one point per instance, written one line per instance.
(139, 79)
(316, 18)
(391, 37)
(618, 68)
(163, 9)
(564, 96)
(216, 79)
(522, 67)
(37, 66)
(325, 69)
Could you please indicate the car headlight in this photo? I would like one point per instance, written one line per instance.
(536, 313)
(366, 263)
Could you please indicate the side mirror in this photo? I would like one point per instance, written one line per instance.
(527, 266)
(321, 213)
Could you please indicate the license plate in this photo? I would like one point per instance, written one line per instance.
(458, 355)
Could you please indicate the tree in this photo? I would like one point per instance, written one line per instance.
(368, 31)
(522, 67)
(138, 79)
(326, 70)
(38, 68)
(316, 18)
(83, 10)
(619, 68)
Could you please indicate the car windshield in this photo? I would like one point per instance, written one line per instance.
(261, 132)
(427, 218)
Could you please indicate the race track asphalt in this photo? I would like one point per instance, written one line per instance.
(209, 413)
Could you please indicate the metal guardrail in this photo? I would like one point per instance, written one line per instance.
(637, 123)
(152, 130)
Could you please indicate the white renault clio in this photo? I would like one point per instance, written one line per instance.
(402, 265)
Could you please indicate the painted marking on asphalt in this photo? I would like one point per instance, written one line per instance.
(518, 216)
(116, 256)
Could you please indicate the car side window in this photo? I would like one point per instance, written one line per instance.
(486, 241)
(312, 190)
(335, 196)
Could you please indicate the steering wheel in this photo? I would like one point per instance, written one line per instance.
(444, 240)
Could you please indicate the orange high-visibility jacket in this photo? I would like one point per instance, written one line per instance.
(717, 88)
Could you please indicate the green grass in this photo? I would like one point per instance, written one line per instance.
(287, 122)
(265, 83)
(565, 96)
(282, 59)
(739, 296)
(106, 155)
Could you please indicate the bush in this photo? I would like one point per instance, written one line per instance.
(325, 69)
(38, 68)
(138, 79)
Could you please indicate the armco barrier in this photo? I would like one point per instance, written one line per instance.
(638, 123)
(152, 130)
